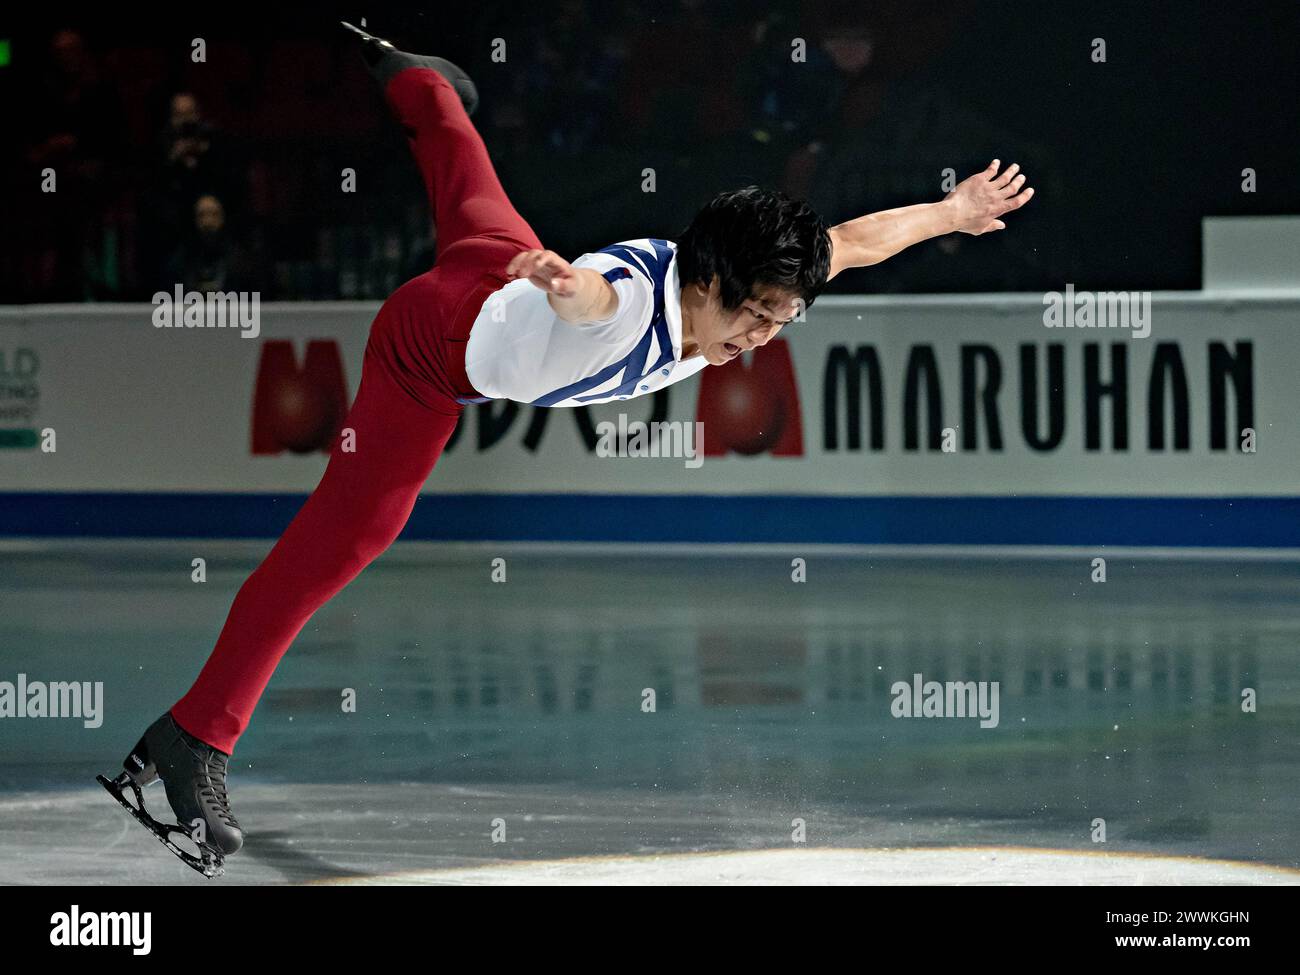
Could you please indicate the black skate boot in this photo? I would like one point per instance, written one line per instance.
(384, 61)
(194, 776)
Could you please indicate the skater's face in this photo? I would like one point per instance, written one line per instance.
(723, 335)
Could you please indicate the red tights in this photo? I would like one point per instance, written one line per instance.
(405, 410)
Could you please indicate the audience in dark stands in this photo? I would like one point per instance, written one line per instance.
(208, 258)
(193, 163)
(583, 127)
(73, 133)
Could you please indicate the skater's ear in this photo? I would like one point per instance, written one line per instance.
(708, 290)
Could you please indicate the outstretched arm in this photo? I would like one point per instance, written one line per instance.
(577, 294)
(973, 207)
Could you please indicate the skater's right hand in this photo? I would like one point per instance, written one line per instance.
(546, 270)
(575, 294)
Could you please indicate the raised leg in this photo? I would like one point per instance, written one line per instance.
(465, 195)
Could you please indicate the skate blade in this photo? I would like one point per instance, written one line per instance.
(208, 862)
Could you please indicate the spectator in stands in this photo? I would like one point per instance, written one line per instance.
(191, 163)
(197, 155)
(209, 259)
(188, 138)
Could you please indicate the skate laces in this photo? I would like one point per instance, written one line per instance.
(214, 768)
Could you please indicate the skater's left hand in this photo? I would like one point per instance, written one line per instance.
(978, 201)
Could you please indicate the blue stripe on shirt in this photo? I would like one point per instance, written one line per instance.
(653, 266)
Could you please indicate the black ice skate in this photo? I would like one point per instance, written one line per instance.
(194, 776)
(384, 61)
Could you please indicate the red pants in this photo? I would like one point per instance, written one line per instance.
(403, 414)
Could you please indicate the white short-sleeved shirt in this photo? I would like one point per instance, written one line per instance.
(519, 349)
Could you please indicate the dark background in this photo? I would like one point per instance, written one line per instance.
(1126, 156)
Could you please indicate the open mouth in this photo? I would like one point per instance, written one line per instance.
(731, 350)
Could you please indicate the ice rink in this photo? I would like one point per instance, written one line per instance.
(501, 731)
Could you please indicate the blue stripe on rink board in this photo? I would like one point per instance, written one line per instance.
(1248, 522)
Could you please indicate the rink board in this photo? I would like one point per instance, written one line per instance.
(919, 420)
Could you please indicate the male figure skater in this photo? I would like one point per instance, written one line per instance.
(500, 317)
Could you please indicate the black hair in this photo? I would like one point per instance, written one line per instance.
(751, 237)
